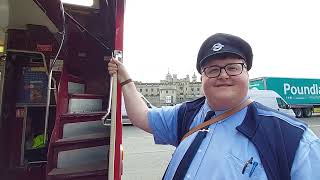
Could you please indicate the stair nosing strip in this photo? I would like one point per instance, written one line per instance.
(96, 113)
(76, 139)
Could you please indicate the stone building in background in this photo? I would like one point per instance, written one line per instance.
(171, 91)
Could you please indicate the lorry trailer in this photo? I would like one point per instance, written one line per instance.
(302, 94)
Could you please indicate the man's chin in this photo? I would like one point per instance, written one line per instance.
(222, 103)
(223, 93)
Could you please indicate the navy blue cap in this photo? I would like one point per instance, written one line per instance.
(220, 44)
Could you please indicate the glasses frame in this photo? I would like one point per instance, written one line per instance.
(243, 65)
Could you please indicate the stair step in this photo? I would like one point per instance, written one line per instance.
(74, 88)
(83, 139)
(74, 151)
(74, 124)
(86, 96)
(82, 128)
(79, 157)
(79, 103)
(82, 117)
(95, 171)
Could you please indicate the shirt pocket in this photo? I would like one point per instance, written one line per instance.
(237, 164)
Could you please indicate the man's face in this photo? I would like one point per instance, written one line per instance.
(224, 92)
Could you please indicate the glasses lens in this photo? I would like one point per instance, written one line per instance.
(234, 69)
(212, 71)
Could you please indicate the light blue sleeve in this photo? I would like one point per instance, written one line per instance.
(163, 123)
(306, 164)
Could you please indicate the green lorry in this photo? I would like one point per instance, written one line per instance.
(303, 95)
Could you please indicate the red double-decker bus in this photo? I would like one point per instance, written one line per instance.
(60, 109)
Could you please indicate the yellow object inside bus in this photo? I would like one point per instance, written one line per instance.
(316, 110)
(1, 49)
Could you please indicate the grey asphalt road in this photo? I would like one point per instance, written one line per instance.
(143, 160)
(314, 123)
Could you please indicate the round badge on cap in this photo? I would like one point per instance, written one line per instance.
(217, 47)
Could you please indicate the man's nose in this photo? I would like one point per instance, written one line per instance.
(223, 74)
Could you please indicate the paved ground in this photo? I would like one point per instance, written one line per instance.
(314, 124)
(144, 160)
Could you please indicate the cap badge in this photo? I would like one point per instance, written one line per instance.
(217, 47)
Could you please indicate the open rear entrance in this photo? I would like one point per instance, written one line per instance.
(56, 132)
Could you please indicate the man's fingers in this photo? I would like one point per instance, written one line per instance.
(115, 66)
(115, 61)
(111, 72)
(112, 67)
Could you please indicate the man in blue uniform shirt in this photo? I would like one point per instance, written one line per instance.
(254, 142)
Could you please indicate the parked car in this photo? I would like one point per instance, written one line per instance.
(125, 118)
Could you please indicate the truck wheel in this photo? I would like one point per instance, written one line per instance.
(307, 112)
(298, 112)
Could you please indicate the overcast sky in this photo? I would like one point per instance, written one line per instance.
(162, 35)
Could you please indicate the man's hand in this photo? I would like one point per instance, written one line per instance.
(116, 67)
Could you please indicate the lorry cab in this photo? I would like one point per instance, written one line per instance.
(271, 99)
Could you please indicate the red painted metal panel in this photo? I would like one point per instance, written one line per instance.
(62, 108)
(119, 46)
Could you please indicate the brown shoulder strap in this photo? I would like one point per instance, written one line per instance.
(218, 118)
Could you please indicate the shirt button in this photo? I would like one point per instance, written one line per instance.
(199, 150)
(188, 176)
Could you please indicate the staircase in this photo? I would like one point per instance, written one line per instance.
(79, 144)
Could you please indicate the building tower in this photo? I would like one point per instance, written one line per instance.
(194, 77)
(168, 77)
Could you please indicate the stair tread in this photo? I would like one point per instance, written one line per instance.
(81, 170)
(83, 117)
(78, 95)
(82, 139)
(84, 114)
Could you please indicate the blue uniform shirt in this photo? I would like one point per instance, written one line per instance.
(224, 151)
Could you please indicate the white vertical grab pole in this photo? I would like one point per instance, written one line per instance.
(47, 108)
(113, 127)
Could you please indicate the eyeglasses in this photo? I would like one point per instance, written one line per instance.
(232, 69)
